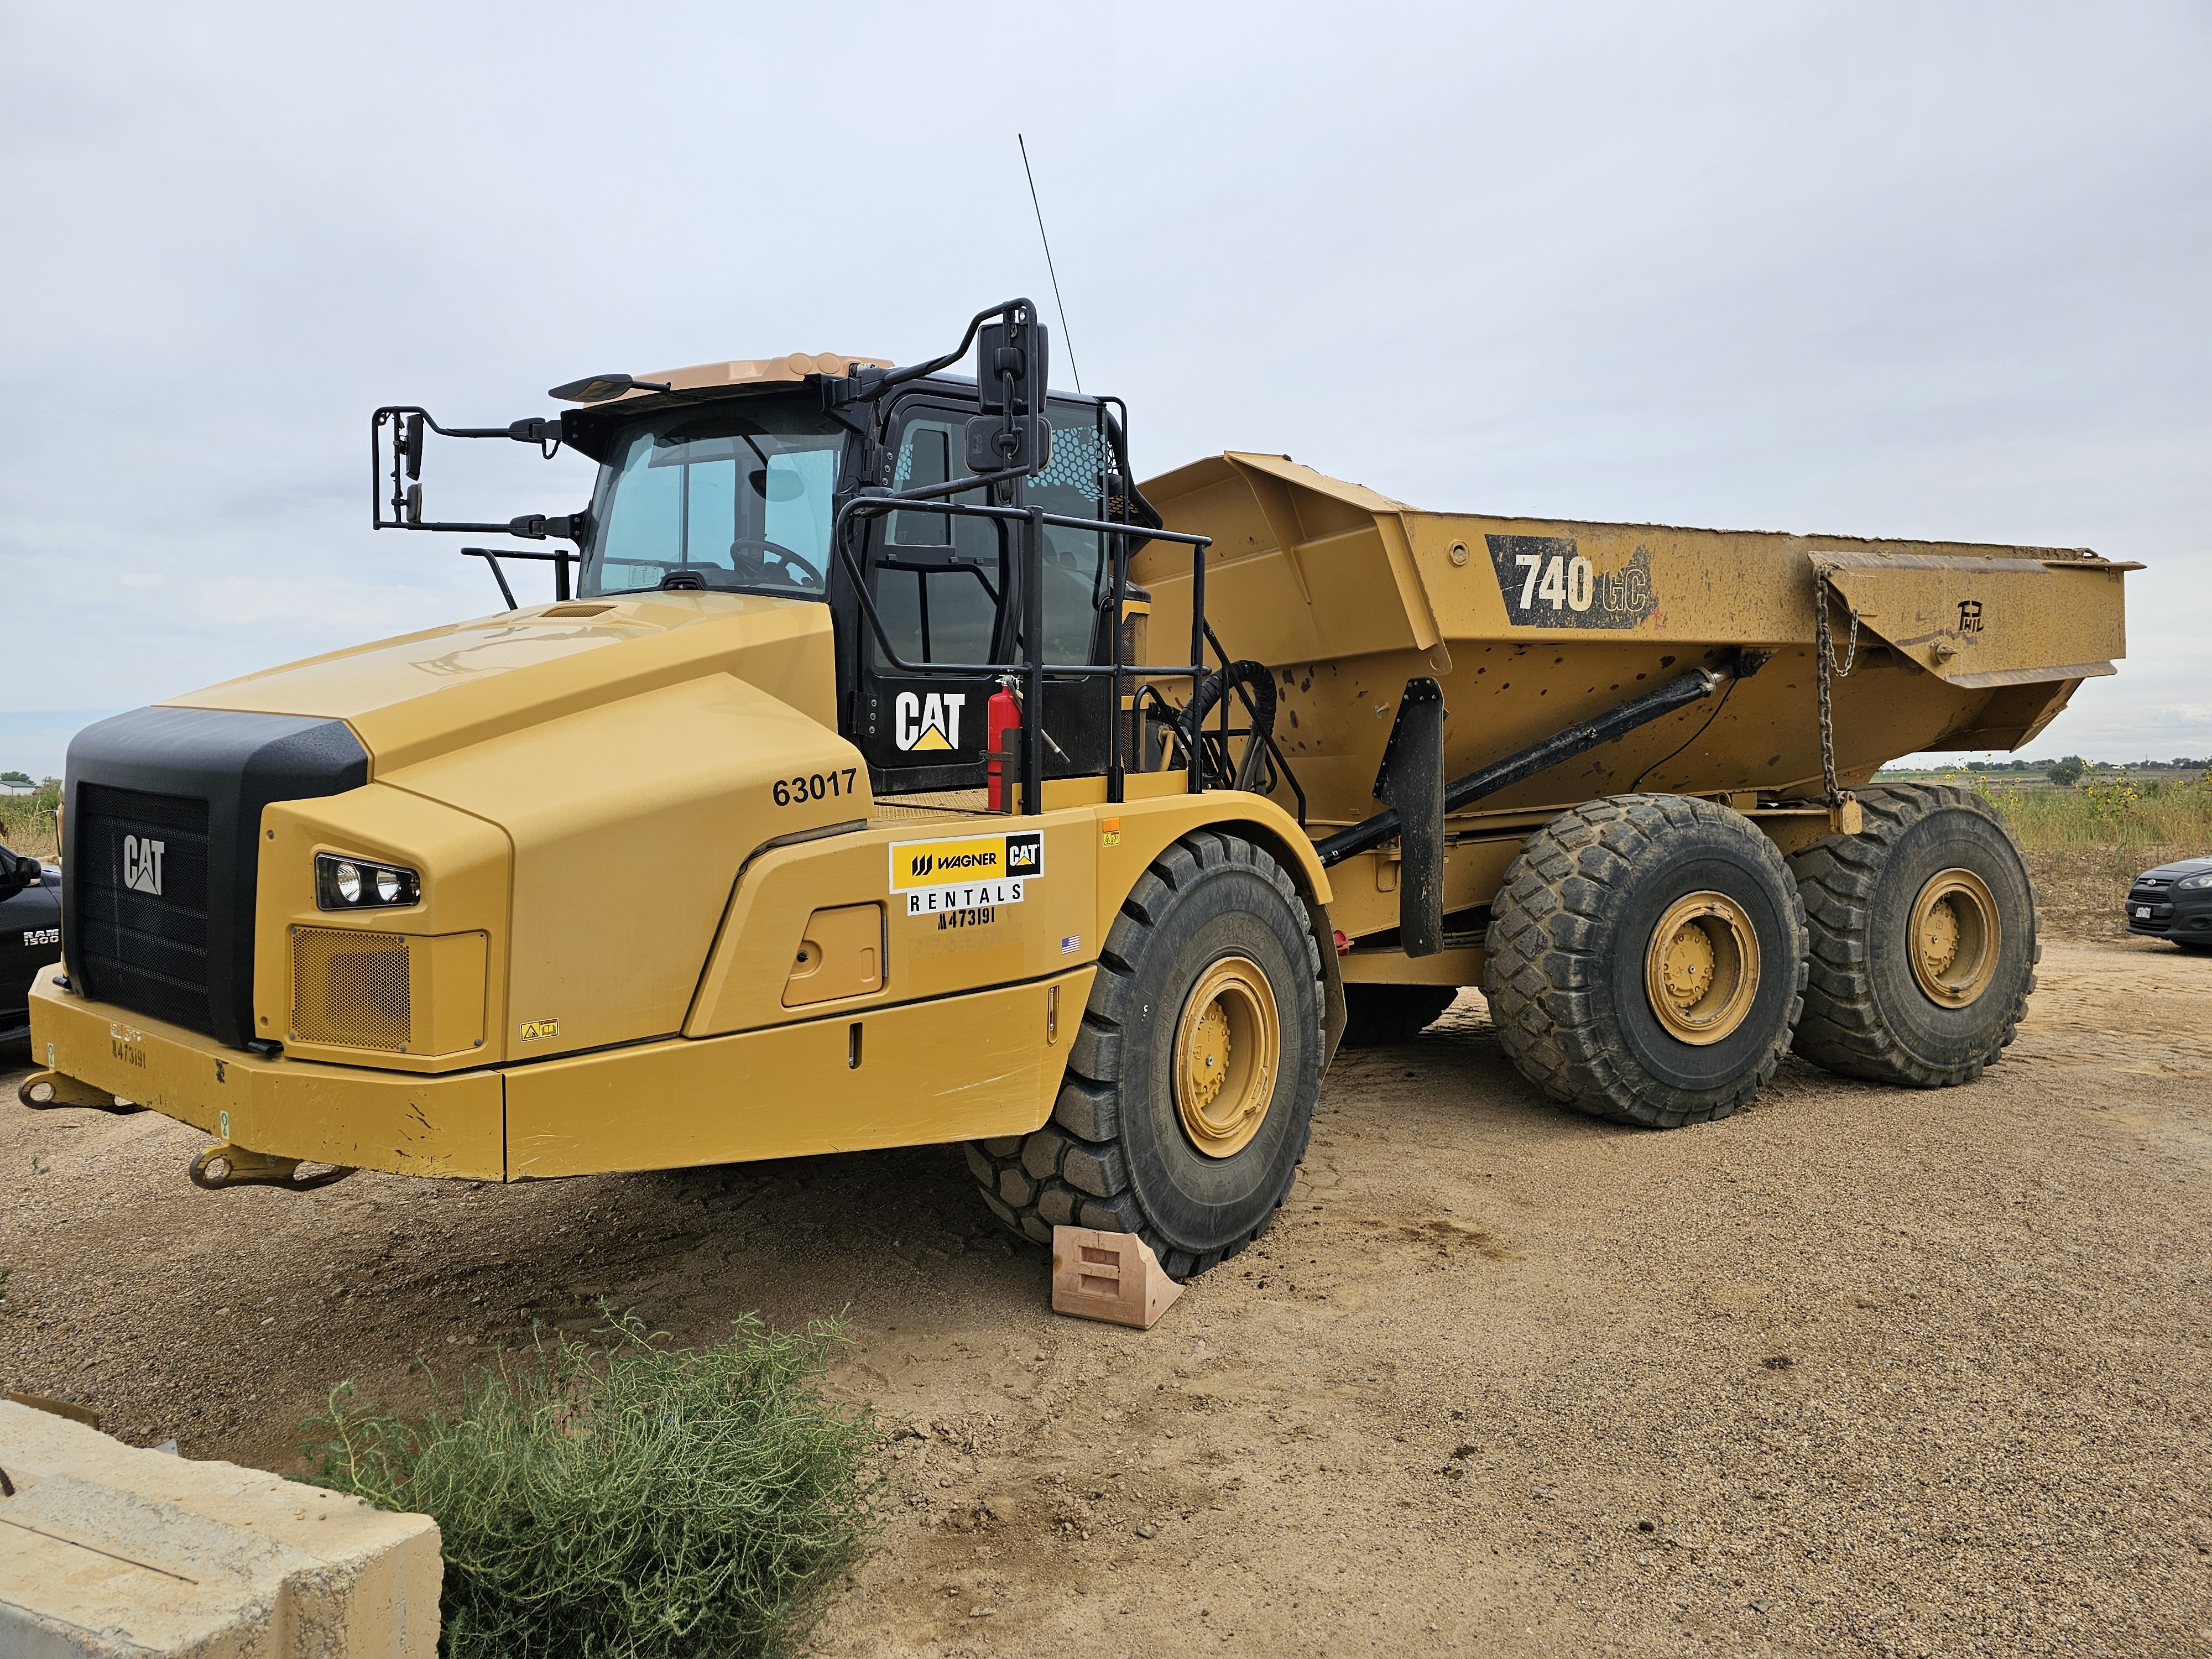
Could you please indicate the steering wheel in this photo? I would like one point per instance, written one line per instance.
(795, 570)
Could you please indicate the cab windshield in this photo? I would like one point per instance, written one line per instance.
(739, 497)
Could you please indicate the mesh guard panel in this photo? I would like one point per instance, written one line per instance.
(351, 988)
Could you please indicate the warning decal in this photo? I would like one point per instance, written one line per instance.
(969, 872)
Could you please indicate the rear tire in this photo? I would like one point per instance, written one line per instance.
(1645, 960)
(1211, 957)
(1378, 1016)
(1879, 1008)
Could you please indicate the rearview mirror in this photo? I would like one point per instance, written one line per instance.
(777, 486)
(1019, 353)
(410, 445)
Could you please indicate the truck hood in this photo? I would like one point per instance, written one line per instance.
(423, 695)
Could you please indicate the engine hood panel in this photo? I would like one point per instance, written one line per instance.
(420, 695)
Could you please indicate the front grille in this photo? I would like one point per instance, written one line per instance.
(195, 781)
(139, 877)
(351, 988)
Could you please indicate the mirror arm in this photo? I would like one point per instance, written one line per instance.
(408, 423)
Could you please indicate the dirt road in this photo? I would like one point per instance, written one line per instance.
(1856, 1371)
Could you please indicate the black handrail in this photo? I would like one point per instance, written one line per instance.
(560, 562)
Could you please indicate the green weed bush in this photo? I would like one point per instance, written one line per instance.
(2107, 810)
(627, 1501)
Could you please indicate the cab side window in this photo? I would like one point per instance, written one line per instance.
(1073, 485)
(936, 575)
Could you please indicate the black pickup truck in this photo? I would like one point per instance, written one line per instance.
(30, 937)
(2171, 901)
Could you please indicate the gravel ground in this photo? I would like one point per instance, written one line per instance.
(1858, 1371)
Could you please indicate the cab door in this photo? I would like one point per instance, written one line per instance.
(948, 589)
(945, 587)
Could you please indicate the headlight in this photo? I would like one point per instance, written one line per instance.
(358, 884)
(2205, 880)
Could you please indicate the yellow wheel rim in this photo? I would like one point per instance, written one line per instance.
(1955, 934)
(1229, 1045)
(1701, 968)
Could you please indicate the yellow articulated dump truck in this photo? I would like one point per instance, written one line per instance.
(890, 770)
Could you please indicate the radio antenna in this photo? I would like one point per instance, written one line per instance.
(1066, 338)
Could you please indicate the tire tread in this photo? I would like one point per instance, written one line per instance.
(1073, 1166)
(1544, 961)
(1843, 1031)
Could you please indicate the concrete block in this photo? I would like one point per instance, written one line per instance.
(109, 1550)
(1113, 1277)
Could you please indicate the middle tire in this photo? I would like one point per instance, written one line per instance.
(1190, 1087)
(1646, 959)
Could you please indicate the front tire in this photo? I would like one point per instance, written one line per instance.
(1190, 1087)
(1645, 960)
(1924, 942)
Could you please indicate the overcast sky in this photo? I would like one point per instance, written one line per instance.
(1883, 269)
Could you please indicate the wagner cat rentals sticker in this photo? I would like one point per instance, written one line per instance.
(969, 873)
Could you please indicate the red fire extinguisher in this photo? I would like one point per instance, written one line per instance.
(1002, 728)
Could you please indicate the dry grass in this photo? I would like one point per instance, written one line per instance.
(2085, 845)
(26, 823)
(2080, 891)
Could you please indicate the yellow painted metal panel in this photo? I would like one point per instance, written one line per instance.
(1986, 622)
(1540, 623)
(287, 1108)
(464, 865)
(1144, 828)
(432, 693)
(448, 991)
(629, 822)
(934, 948)
(954, 1069)
(841, 954)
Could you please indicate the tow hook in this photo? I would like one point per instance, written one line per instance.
(43, 1090)
(225, 1165)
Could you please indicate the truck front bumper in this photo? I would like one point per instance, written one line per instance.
(453, 1125)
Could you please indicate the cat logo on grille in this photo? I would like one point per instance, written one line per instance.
(142, 864)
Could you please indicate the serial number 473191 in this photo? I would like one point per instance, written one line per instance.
(815, 786)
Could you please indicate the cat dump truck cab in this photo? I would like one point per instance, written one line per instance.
(890, 769)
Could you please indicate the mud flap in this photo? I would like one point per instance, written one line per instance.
(1412, 780)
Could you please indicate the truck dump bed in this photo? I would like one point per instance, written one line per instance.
(1531, 625)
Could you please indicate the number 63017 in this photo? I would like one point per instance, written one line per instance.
(814, 786)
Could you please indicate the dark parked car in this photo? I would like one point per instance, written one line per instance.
(30, 937)
(2174, 901)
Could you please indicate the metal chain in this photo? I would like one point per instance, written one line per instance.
(1823, 661)
(1850, 645)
